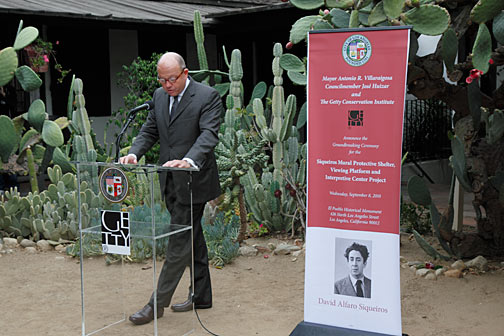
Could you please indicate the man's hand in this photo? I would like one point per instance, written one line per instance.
(177, 164)
(130, 158)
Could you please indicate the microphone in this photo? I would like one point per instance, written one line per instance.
(148, 105)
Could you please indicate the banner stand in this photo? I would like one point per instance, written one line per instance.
(315, 329)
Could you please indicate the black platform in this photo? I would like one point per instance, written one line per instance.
(314, 329)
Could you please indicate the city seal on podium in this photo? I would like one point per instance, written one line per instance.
(356, 50)
(113, 184)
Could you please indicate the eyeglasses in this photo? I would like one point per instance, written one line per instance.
(171, 79)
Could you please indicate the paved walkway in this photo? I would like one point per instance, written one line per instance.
(440, 194)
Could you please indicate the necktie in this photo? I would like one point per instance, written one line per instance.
(358, 284)
(174, 106)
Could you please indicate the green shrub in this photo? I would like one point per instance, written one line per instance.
(140, 79)
(415, 217)
(221, 239)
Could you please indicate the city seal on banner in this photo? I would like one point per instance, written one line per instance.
(113, 185)
(356, 50)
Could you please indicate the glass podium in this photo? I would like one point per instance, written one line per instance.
(124, 230)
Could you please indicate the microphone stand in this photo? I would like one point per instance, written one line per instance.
(131, 117)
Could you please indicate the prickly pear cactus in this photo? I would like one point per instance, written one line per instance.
(51, 214)
(28, 79)
(46, 131)
(9, 138)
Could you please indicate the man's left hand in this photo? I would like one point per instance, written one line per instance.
(177, 164)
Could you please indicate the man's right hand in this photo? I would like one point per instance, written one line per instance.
(130, 158)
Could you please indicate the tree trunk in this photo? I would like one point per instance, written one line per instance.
(483, 161)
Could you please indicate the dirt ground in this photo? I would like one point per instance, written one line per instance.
(40, 295)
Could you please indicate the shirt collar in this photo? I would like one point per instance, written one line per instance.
(185, 88)
(354, 280)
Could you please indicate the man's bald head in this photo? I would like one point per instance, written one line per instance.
(172, 73)
(170, 59)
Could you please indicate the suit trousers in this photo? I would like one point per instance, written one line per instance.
(178, 253)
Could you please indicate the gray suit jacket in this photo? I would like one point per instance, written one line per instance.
(192, 132)
(344, 287)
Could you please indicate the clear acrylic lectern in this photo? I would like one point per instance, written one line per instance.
(124, 232)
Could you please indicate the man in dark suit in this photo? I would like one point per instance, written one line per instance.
(185, 120)
(355, 284)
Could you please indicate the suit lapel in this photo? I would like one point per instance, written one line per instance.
(163, 114)
(184, 101)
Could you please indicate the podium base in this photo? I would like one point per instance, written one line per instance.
(314, 329)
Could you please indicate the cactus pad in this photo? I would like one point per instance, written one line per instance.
(498, 28)
(393, 8)
(354, 19)
(377, 14)
(427, 248)
(458, 163)
(428, 19)
(9, 139)
(362, 5)
(59, 158)
(297, 78)
(8, 65)
(301, 120)
(301, 27)
(340, 18)
(449, 48)
(292, 63)
(25, 37)
(495, 127)
(474, 101)
(307, 4)
(482, 49)
(343, 4)
(37, 114)
(418, 191)
(30, 138)
(485, 10)
(259, 91)
(51, 134)
(28, 79)
(322, 24)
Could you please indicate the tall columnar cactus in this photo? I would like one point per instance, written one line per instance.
(31, 170)
(204, 74)
(277, 209)
(82, 141)
(282, 115)
(235, 155)
(199, 37)
(235, 76)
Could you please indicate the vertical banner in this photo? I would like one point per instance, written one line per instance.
(356, 92)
